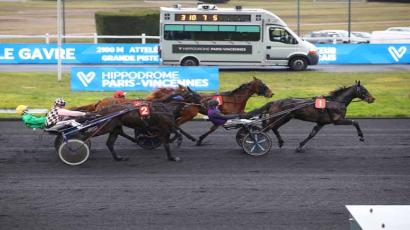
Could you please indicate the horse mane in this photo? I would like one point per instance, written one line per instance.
(338, 91)
(159, 93)
(240, 88)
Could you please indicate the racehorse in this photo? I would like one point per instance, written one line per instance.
(166, 95)
(304, 109)
(232, 102)
(161, 118)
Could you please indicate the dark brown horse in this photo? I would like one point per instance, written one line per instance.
(304, 109)
(185, 96)
(161, 119)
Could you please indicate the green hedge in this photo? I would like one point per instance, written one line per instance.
(127, 23)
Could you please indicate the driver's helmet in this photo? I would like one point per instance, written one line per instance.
(21, 109)
(60, 102)
(119, 94)
(213, 103)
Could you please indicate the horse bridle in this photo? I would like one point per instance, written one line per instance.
(361, 94)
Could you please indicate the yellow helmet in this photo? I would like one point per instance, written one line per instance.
(21, 109)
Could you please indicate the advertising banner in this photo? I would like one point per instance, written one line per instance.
(364, 53)
(143, 78)
(106, 53)
(79, 53)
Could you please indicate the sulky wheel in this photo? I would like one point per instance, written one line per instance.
(58, 141)
(74, 152)
(147, 142)
(256, 143)
(242, 132)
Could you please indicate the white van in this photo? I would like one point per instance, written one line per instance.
(207, 35)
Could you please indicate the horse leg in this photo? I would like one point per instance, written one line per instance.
(202, 137)
(123, 134)
(165, 141)
(277, 123)
(279, 137)
(275, 129)
(110, 144)
(187, 134)
(177, 137)
(355, 124)
(313, 133)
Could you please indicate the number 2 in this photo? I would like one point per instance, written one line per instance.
(144, 111)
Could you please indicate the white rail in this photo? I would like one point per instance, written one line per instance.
(93, 36)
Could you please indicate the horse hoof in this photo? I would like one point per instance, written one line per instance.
(300, 150)
(361, 139)
(198, 143)
(121, 159)
(174, 159)
(280, 144)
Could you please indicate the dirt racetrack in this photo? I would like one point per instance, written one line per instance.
(215, 186)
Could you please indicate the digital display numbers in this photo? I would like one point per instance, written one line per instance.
(213, 17)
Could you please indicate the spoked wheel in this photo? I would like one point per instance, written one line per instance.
(256, 143)
(74, 152)
(147, 142)
(242, 132)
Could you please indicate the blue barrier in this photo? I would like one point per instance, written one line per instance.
(143, 78)
(79, 54)
(105, 53)
(364, 53)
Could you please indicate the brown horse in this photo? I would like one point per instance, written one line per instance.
(233, 102)
(282, 111)
(161, 119)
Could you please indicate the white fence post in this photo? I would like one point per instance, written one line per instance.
(95, 38)
(143, 39)
(47, 38)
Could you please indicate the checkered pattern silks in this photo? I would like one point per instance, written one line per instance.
(53, 117)
(59, 102)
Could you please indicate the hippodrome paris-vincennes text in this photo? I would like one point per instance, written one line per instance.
(149, 79)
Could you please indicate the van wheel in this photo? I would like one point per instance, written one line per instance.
(189, 61)
(298, 64)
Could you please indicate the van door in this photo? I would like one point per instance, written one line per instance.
(279, 45)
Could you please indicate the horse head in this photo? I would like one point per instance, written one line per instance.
(260, 88)
(190, 95)
(363, 93)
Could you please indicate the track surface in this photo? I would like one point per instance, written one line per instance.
(216, 186)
